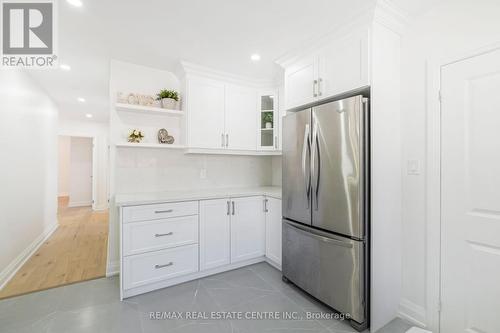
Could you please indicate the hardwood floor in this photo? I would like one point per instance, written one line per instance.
(75, 252)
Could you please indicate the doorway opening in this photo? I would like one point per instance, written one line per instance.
(77, 249)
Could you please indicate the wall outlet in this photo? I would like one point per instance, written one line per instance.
(413, 167)
(203, 173)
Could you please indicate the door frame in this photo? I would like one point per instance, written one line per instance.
(94, 164)
(433, 180)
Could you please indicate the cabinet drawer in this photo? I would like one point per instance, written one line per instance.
(155, 235)
(151, 267)
(159, 211)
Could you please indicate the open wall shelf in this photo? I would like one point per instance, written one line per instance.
(133, 108)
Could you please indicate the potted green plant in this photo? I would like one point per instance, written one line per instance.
(268, 120)
(168, 98)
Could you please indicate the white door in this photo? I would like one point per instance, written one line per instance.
(300, 78)
(248, 232)
(343, 65)
(470, 202)
(205, 107)
(214, 233)
(241, 123)
(273, 230)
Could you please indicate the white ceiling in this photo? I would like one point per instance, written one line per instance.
(221, 34)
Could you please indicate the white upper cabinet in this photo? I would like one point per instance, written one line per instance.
(248, 234)
(300, 82)
(343, 65)
(340, 66)
(206, 113)
(241, 107)
(268, 120)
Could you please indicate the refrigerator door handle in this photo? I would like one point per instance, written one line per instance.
(317, 167)
(306, 152)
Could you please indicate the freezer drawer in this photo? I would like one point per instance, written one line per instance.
(329, 267)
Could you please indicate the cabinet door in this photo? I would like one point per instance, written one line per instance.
(268, 117)
(273, 230)
(214, 233)
(343, 65)
(241, 106)
(248, 232)
(205, 107)
(299, 82)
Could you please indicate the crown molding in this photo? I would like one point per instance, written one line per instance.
(391, 16)
(189, 68)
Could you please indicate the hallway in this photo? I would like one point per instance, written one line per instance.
(75, 252)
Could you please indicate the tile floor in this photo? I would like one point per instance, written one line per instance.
(94, 306)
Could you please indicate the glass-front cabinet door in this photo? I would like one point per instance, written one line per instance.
(268, 121)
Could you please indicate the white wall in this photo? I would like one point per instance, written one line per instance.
(446, 31)
(80, 180)
(28, 172)
(99, 131)
(64, 155)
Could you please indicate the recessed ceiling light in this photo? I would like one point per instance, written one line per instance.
(65, 67)
(76, 3)
(81, 99)
(88, 115)
(255, 57)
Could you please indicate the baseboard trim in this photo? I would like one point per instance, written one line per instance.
(8, 273)
(72, 204)
(113, 268)
(273, 263)
(413, 313)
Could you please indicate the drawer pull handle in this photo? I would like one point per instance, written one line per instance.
(167, 234)
(163, 266)
(163, 211)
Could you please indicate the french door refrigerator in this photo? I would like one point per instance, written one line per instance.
(326, 204)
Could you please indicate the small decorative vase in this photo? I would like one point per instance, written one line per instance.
(168, 103)
(269, 125)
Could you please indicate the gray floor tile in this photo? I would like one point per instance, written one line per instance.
(23, 311)
(90, 293)
(94, 306)
(113, 317)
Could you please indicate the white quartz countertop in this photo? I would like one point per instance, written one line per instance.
(134, 199)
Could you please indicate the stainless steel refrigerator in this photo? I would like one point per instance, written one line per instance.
(326, 189)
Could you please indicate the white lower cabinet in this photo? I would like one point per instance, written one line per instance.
(151, 267)
(215, 233)
(273, 230)
(248, 234)
(159, 248)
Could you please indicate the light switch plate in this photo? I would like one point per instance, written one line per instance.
(203, 173)
(413, 167)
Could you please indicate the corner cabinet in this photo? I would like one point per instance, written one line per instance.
(340, 66)
(272, 209)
